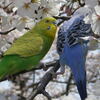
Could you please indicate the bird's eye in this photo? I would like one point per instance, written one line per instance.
(47, 21)
(49, 28)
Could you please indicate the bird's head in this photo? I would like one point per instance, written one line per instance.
(47, 26)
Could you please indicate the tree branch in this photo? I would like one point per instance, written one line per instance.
(6, 32)
(43, 83)
(62, 17)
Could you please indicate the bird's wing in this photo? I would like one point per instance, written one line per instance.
(26, 46)
(76, 30)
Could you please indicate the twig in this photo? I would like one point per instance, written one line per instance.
(68, 84)
(6, 32)
(81, 4)
(27, 28)
(46, 94)
(96, 36)
(62, 17)
(8, 5)
(60, 23)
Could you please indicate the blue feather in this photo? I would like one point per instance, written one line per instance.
(73, 52)
(75, 58)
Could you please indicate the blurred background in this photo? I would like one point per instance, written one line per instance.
(17, 17)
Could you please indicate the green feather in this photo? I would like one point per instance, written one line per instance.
(28, 50)
(26, 46)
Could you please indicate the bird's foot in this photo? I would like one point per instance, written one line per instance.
(43, 66)
(62, 71)
(55, 74)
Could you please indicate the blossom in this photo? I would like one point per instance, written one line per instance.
(50, 7)
(20, 3)
(72, 4)
(3, 20)
(91, 3)
(96, 20)
(28, 9)
(35, 9)
(38, 9)
(17, 22)
(2, 12)
(96, 88)
(4, 3)
(21, 22)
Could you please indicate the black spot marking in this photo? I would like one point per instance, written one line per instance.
(36, 18)
(41, 17)
(35, 12)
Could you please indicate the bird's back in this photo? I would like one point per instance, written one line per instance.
(73, 52)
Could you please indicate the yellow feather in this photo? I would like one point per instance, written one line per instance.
(33, 42)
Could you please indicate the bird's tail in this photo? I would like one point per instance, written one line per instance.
(80, 80)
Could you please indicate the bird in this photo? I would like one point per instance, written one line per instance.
(73, 48)
(27, 51)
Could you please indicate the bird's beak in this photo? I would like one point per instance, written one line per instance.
(55, 22)
(58, 22)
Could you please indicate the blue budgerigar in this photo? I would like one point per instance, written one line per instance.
(72, 49)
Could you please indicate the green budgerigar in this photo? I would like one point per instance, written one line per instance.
(29, 49)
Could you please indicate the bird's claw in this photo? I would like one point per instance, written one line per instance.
(45, 68)
(55, 74)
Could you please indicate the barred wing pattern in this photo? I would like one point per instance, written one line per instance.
(73, 34)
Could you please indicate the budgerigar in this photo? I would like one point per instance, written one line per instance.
(72, 49)
(29, 49)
